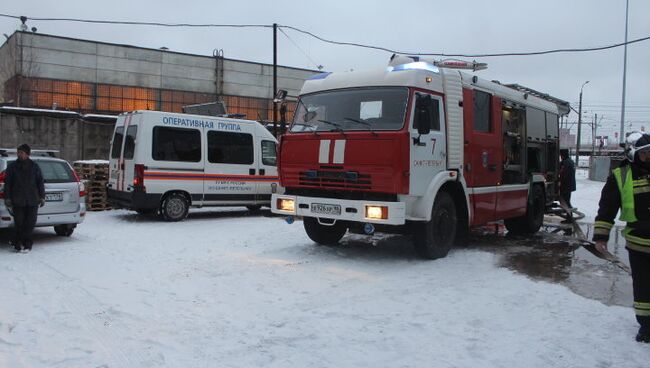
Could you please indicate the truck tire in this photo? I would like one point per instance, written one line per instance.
(433, 239)
(532, 221)
(324, 234)
(64, 230)
(174, 207)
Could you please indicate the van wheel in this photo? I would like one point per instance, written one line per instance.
(254, 208)
(532, 221)
(324, 234)
(174, 207)
(64, 230)
(433, 239)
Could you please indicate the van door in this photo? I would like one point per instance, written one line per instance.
(230, 166)
(115, 160)
(267, 172)
(128, 153)
(483, 152)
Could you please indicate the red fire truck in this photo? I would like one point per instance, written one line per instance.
(420, 148)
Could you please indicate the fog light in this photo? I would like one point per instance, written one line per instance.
(285, 204)
(377, 212)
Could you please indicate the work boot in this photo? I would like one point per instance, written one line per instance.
(643, 335)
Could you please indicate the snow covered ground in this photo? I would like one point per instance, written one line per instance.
(226, 289)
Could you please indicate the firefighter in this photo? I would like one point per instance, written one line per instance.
(628, 188)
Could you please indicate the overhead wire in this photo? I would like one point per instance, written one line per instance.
(318, 66)
(322, 39)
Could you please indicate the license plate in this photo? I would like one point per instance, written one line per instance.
(53, 197)
(326, 209)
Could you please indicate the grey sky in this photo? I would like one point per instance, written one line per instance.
(470, 26)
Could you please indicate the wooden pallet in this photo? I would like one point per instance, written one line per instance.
(98, 206)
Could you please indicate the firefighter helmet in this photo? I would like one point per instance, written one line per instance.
(636, 142)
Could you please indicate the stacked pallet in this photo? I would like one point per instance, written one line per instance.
(94, 174)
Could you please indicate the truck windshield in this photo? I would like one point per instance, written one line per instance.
(379, 108)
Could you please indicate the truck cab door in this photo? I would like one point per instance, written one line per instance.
(428, 150)
(483, 152)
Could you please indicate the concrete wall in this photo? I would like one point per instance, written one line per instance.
(54, 57)
(7, 64)
(75, 139)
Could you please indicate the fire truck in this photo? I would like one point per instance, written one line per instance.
(420, 148)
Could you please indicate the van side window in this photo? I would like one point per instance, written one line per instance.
(176, 144)
(230, 148)
(129, 143)
(117, 142)
(269, 153)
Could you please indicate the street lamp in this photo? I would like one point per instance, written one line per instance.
(579, 123)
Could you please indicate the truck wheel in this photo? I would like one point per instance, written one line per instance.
(64, 230)
(534, 217)
(433, 239)
(324, 234)
(174, 207)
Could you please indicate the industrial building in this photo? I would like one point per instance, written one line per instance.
(45, 71)
(102, 79)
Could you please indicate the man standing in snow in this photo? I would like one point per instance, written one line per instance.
(628, 188)
(24, 192)
(567, 177)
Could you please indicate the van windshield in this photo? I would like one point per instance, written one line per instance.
(377, 108)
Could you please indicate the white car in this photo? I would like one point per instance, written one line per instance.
(65, 205)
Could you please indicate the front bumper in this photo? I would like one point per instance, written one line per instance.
(7, 220)
(351, 210)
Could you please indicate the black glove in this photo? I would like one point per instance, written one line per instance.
(8, 203)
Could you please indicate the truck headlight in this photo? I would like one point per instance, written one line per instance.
(376, 212)
(286, 204)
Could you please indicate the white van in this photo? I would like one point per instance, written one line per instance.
(166, 162)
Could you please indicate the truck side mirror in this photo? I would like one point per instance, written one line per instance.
(423, 108)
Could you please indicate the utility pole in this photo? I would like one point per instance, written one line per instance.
(275, 77)
(579, 124)
(593, 135)
(622, 137)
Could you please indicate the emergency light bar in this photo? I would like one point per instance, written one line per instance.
(460, 64)
(402, 62)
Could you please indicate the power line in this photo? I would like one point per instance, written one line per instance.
(318, 66)
(342, 43)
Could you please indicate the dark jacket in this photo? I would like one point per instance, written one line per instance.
(567, 176)
(610, 203)
(24, 183)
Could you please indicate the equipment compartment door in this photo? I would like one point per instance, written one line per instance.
(483, 152)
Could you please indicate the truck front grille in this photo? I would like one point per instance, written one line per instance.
(335, 179)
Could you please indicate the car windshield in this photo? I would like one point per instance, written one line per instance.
(55, 171)
(380, 108)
